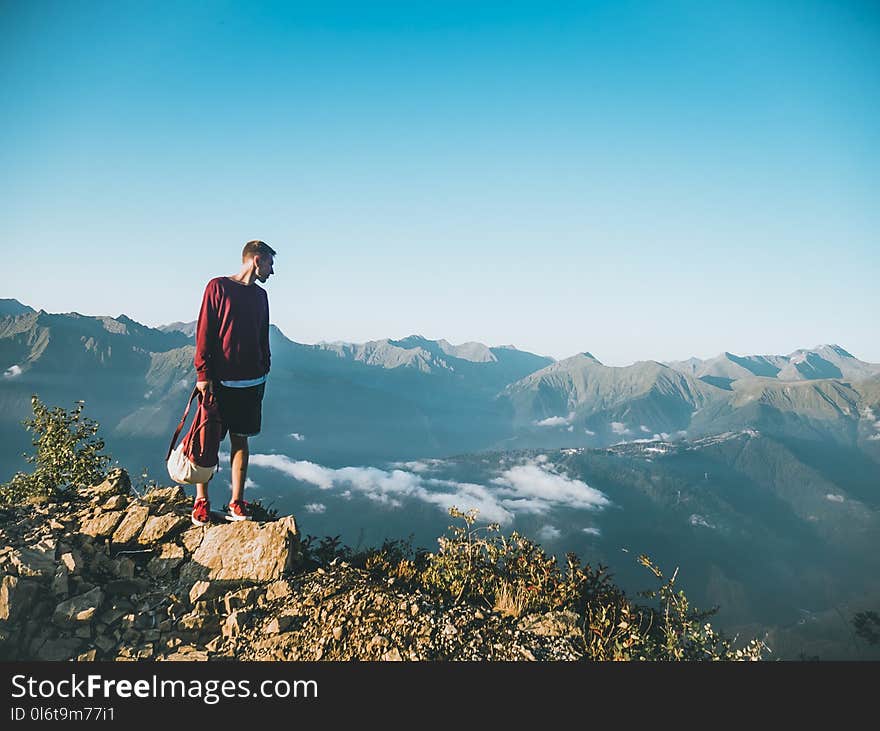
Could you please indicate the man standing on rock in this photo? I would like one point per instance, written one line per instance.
(232, 360)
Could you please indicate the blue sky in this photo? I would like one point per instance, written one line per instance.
(641, 180)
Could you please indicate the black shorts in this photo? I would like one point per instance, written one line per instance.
(241, 409)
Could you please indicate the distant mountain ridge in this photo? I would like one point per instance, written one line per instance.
(411, 397)
(824, 393)
(414, 351)
(823, 361)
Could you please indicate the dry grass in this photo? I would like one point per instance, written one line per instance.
(510, 600)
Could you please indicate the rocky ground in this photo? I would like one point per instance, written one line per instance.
(113, 575)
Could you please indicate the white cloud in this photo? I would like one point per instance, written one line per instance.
(12, 371)
(877, 424)
(619, 427)
(297, 437)
(250, 484)
(301, 470)
(592, 531)
(531, 488)
(389, 487)
(527, 505)
(589, 433)
(316, 508)
(465, 497)
(531, 481)
(570, 427)
(552, 421)
(834, 498)
(874, 438)
(645, 429)
(549, 533)
(556, 420)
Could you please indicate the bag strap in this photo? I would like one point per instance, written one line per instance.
(182, 422)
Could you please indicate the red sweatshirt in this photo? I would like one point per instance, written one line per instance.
(232, 335)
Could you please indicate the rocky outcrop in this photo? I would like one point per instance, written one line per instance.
(109, 574)
(245, 551)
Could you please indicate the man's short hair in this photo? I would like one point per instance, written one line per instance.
(252, 248)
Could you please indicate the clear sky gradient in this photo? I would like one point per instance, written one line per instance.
(642, 180)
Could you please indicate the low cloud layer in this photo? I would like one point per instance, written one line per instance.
(530, 488)
(12, 371)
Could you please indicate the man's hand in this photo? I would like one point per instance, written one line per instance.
(205, 387)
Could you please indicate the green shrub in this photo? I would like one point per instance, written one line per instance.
(68, 453)
(481, 565)
(327, 549)
(514, 576)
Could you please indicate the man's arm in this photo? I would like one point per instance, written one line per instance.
(264, 339)
(207, 334)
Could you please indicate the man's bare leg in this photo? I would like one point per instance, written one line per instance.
(202, 490)
(238, 463)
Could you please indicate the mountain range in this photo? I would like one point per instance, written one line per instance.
(416, 397)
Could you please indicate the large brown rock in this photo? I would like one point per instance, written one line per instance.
(117, 483)
(102, 525)
(131, 525)
(192, 538)
(174, 493)
(244, 552)
(159, 527)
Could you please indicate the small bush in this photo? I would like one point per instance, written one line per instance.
(326, 550)
(514, 576)
(480, 564)
(395, 559)
(68, 453)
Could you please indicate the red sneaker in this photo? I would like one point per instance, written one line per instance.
(201, 514)
(239, 510)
